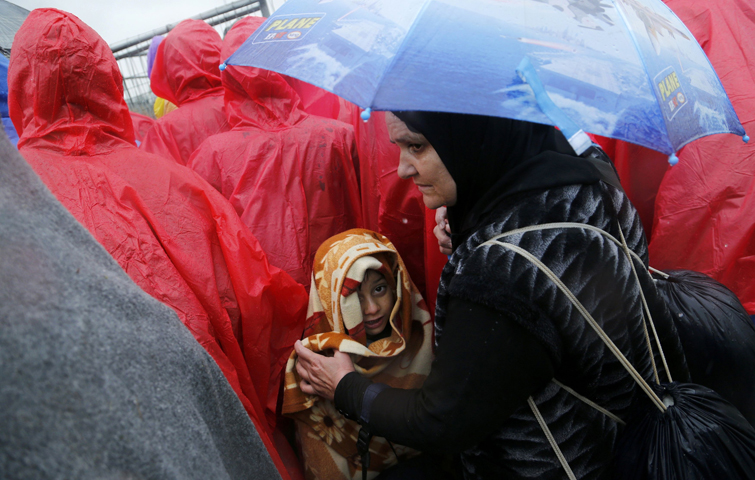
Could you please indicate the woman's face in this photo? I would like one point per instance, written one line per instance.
(420, 162)
(377, 300)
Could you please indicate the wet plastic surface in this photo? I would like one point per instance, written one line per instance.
(699, 437)
(717, 335)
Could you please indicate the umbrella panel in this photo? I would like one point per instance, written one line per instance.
(628, 70)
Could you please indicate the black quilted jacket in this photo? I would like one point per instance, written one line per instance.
(598, 272)
(503, 330)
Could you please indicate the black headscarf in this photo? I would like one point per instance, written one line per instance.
(491, 158)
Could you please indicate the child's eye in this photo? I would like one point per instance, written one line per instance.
(380, 289)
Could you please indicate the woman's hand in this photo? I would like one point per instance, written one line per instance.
(442, 230)
(320, 374)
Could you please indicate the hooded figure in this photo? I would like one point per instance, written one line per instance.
(399, 356)
(100, 380)
(174, 235)
(186, 73)
(289, 175)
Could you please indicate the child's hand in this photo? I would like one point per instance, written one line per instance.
(442, 230)
(320, 374)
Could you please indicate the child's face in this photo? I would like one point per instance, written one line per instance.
(377, 300)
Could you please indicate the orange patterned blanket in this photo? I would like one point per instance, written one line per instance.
(334, 322)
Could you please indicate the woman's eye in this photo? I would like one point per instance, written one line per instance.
(415, 147)
(380, 289)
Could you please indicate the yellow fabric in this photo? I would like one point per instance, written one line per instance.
(162, 107)
(334, 322)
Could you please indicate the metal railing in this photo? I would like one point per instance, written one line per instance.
(131, 54)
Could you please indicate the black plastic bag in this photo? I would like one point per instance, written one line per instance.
(700, 437)
(717, 334)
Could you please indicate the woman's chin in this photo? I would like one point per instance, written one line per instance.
(432, 202)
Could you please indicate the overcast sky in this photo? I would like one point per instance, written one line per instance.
(117, 20)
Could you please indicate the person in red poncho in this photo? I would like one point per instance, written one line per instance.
(289, 175)
(142, 125)
(390, 205)
(175, 236)
(320, 102)
(186, 72)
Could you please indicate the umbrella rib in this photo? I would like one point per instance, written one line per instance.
(642, 59)
(398, 51)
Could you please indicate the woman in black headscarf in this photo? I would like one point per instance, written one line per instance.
(503, 330)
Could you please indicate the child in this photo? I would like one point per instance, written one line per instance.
(377, 316)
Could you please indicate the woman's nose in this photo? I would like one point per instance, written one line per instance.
(405, 168)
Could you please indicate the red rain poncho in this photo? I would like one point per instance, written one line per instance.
(390, 205)
(171, 232)
(322, 103)
(142, 125)
(186, 72)
(289, 175)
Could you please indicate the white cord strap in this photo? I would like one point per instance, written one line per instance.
(647, 312)
(551, 439)
(590, 403)
(591, 321)
(662, 274)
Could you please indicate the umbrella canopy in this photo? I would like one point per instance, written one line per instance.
(11, 18)
(626, 69)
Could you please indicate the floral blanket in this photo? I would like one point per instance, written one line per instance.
(334, 322)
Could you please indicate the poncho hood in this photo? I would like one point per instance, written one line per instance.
(187, 63)
(51, 101)
(253, 96)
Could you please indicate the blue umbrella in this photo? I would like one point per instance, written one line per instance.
(626, 69)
